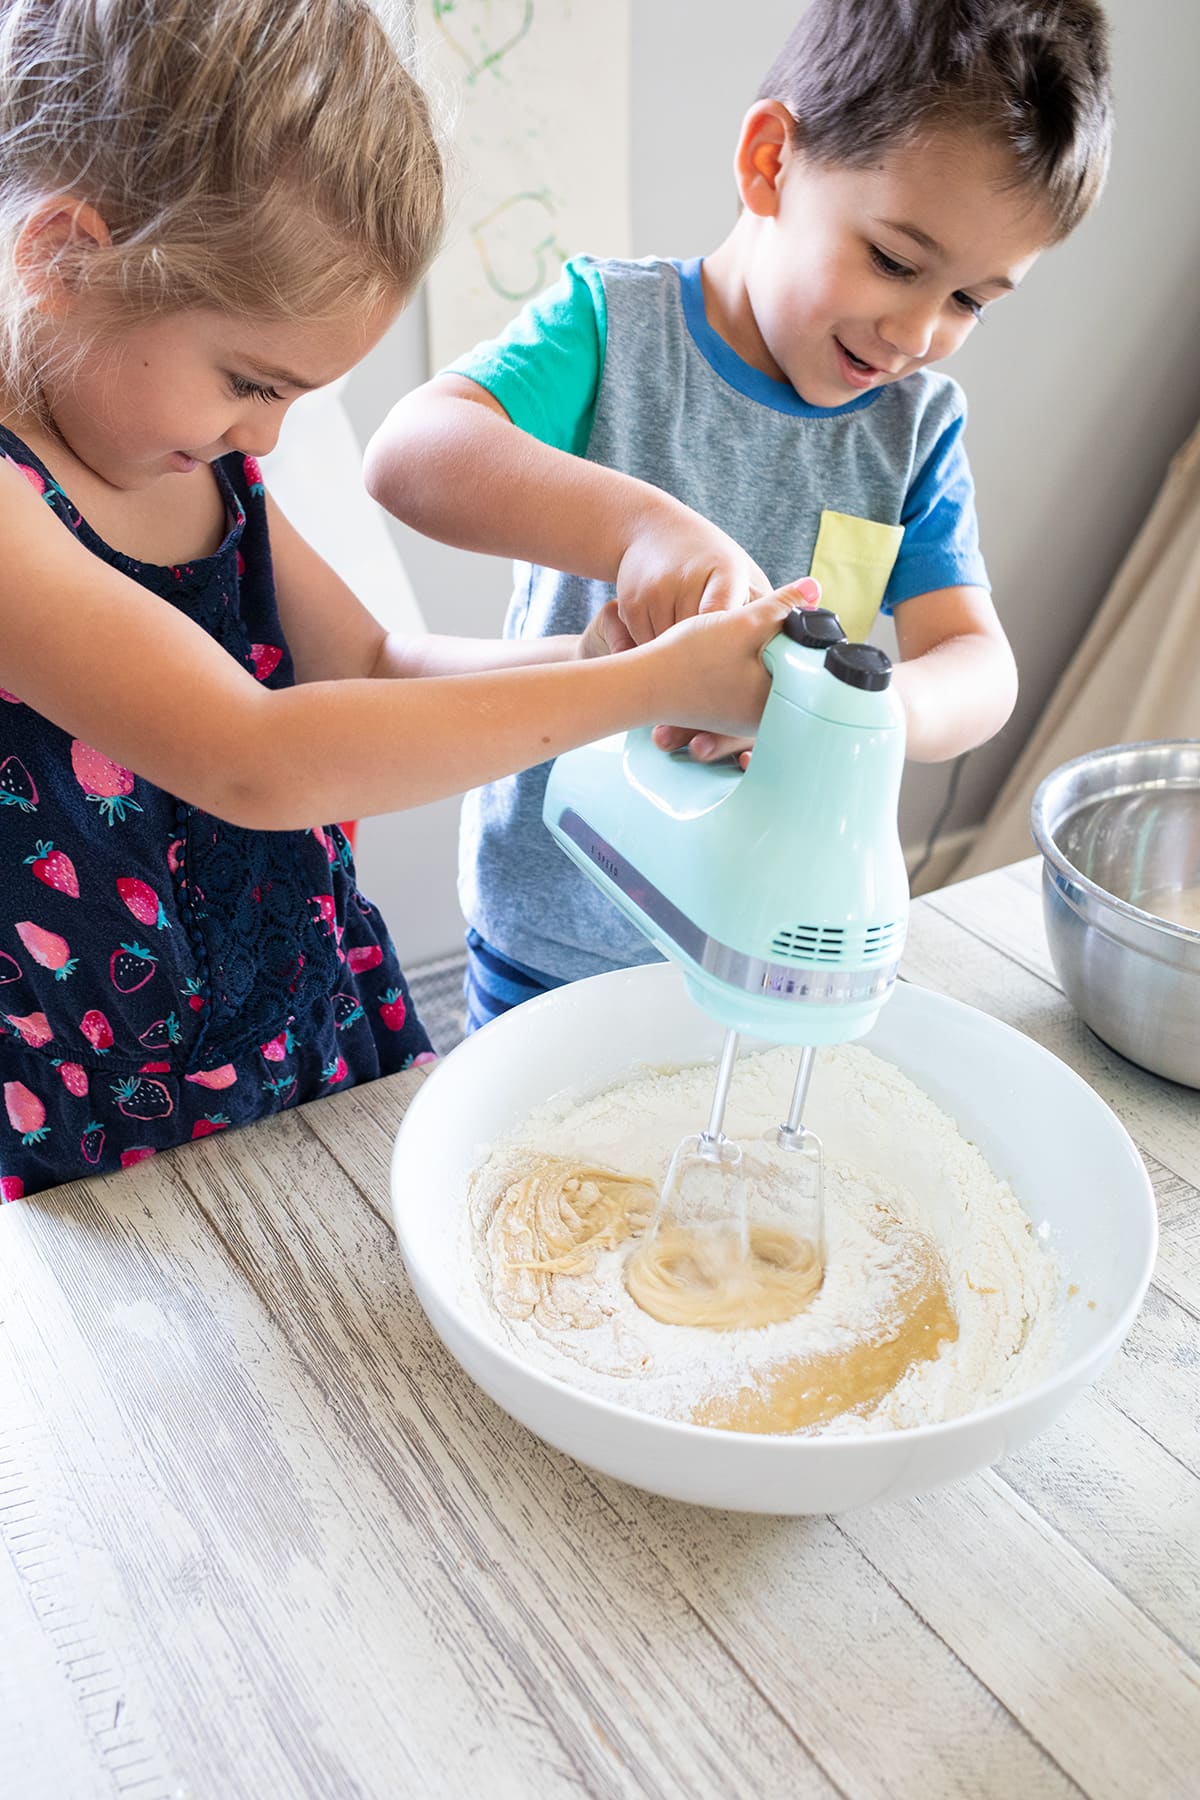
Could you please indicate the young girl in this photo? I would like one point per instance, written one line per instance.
(207, 208)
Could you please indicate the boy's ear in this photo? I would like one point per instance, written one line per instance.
(762, 153)
(55, 237)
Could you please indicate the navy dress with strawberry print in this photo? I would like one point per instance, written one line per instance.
(165, 975)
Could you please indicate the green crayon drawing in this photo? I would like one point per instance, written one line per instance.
(519, 250)
(477, 40)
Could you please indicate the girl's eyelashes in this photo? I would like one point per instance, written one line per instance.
(244, 389)
(898, 271)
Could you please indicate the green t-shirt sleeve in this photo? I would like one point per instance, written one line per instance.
(545, 369)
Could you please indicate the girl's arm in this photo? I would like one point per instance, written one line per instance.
(118, 667)
(333, 636)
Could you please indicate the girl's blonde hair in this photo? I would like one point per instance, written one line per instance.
(272, 158)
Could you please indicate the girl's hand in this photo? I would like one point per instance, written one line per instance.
(708, 746)
(711, 666)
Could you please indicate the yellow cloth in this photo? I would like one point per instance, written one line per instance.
(853, 561)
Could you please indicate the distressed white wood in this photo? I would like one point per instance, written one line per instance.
(262, 1537)
(1126, 1503)
(1177, 1271)
(282, 1443)
(1108, 1695)
(886, 1705)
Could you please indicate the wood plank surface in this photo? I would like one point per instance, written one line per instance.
(262, 1537)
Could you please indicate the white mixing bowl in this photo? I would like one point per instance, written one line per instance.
(1068, 1158)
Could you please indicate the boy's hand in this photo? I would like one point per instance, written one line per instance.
(678, 566)
(605, 634)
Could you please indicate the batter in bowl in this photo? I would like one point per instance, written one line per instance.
(936, 1296)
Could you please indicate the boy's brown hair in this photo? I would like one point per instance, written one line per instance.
(859, 76)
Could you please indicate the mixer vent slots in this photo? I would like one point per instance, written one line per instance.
(810, 943)
(879, 941)
(834, 944)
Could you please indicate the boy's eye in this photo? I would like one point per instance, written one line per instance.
(251, 390)
(898, 271)
(887, 265)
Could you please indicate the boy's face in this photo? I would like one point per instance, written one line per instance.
(854, 277)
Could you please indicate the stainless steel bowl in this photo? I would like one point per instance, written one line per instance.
(1119, 833)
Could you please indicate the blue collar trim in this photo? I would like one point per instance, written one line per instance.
(780, 396)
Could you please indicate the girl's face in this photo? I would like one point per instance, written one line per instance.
(159, 398)
(861, 275)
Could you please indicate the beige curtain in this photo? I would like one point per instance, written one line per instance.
(1136, 674)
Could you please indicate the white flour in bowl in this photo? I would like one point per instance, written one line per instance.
(902, 1187)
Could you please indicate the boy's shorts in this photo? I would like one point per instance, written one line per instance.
(494, 984)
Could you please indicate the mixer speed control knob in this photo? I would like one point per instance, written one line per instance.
(814, 627)
(859, 665)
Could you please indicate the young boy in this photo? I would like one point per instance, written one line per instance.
(687, 436)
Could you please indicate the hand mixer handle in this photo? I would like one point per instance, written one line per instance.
(810, 645)
(808, 650)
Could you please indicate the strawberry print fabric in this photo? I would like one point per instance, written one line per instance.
(165, 975)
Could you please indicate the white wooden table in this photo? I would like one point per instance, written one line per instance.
(263, 1538)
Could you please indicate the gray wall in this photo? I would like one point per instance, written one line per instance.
(1081, 386)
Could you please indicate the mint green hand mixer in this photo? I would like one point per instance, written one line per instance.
(781, 892)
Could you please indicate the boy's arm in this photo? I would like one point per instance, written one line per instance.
(956, 674)
(449, 462)
(956, 677)
(491, 455)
